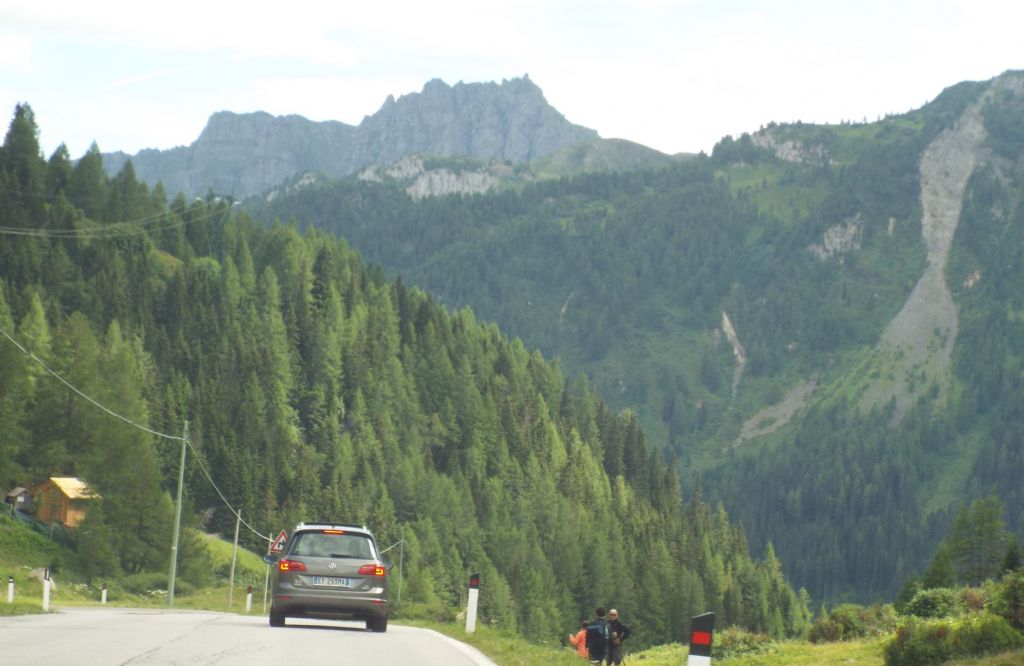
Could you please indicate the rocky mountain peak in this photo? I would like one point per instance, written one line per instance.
(242, 154)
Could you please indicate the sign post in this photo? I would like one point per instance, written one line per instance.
(474, 593)
(276, 546)
(701, 631)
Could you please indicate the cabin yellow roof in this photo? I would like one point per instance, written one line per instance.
(74, 487)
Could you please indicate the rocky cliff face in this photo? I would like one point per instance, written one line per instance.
(421, 181)
(486, 121)
(245, 154)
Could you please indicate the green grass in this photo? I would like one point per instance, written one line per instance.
(803, 653)
(506, 649)
(764, 184)
(503, 647)
(249, 568)
(22, 550)
(1015, 658)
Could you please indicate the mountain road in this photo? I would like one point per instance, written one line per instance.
(102, 637)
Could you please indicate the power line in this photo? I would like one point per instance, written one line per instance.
(195, 456)
(117, 229)
(127, 420)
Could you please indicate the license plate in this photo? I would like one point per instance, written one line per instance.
(331, 581)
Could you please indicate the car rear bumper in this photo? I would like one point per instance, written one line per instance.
(317, 603)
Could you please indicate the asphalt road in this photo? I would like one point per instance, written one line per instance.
(101, 637)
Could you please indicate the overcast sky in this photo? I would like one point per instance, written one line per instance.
(676, 75)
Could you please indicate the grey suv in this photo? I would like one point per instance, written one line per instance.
(333, 571)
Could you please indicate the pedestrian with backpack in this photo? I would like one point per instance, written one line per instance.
(619, 633)
(598, 635)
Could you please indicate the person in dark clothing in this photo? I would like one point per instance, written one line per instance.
(618, 633)
(598, 634)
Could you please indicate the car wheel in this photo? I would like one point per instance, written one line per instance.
(377, 624)
(276, 619)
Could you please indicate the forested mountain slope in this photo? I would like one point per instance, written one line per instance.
(315, 388)
(863, 279)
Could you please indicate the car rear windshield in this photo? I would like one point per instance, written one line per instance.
(332, 544)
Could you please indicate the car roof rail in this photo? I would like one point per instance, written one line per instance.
(333, 524)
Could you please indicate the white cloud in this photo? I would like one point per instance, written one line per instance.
(16, 54)
(673, 74)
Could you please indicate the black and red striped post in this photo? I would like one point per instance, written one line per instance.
(702, 630)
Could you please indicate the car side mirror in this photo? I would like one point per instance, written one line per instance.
(270, 559)
(388, 564)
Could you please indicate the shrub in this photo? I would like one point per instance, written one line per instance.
(937, 602)
(195, 563)
(851, 621)
(919, 643)
(183, 588)
(145, 583)
(923, 642)
(984, 633)
(826, 630)
(733, 642)
(907, 593)
(434, 611)
(972, 599)
(1008, 601)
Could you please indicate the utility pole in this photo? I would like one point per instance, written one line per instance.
(234, 556)
(177, 519)
(401, 563)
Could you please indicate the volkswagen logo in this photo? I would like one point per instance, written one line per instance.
(332, 566)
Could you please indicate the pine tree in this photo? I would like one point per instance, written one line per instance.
(88, 186)
(941, 572)
(14, 395)
(23, 162)
(58, 171)
(977, 540)
(136, 509)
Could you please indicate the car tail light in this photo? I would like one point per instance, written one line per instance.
(290, 565)
(372, 570)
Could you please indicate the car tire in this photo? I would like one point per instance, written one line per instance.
(377, 624)
(276, 619)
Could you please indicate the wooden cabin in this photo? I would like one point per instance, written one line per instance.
(20, 498)
(63, 499)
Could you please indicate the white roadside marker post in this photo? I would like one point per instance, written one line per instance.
(103, 594)
(701, 632)
(248, 600)
(10, 589)
(46, 589)
(474, 593)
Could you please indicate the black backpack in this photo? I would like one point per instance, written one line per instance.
(598, 633)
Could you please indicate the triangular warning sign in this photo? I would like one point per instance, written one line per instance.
(278, 545)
